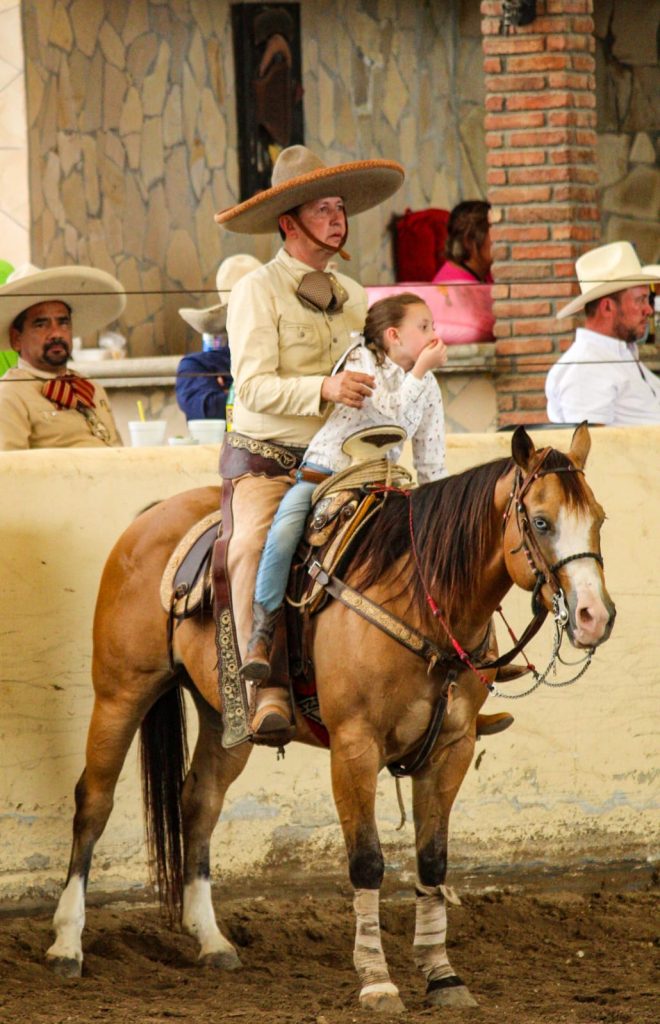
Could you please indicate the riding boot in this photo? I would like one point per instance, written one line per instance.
(272, 721)
(256, 663)
(488, 725)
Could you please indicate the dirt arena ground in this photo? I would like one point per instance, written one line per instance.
(570, 949)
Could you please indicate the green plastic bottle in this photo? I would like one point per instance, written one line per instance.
(229, 408)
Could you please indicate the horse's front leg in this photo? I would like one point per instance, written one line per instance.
(212, 771)
(355, 764)
(434, 792)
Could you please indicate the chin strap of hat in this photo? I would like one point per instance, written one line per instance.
(334, 249)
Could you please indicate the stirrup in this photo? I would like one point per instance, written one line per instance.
(272, 723)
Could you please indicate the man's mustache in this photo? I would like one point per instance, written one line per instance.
(53, 342)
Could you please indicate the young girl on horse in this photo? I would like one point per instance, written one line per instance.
(399, 348)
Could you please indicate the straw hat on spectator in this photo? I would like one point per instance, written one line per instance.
(604, 271)
(213, 319)
(95, 297)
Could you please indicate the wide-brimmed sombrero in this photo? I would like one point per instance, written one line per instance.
(604, 271)
(213, 319)
(299, 176)
(96, 298)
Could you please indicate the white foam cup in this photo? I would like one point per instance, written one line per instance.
(207, 431)
(146, 434)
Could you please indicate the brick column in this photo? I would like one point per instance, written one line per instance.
(541, 145)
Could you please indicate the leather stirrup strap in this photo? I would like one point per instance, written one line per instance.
(221, 594)
(232, 691)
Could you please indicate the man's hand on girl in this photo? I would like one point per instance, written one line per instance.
(348, 388)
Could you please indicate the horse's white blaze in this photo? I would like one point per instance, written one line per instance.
(368, 955)
(587, 604)
(198, 918)
(68, 922)
(429, 950)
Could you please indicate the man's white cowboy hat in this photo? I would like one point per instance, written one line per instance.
(213, 319)
(300, 176)
(606, 270)
(96, 298)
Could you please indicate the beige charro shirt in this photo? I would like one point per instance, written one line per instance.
(28, 420)
(281, 350)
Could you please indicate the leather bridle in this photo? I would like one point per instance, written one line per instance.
(529, 545)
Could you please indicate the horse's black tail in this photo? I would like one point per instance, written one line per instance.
(164, 762)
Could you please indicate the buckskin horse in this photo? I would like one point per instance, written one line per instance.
(438, 561)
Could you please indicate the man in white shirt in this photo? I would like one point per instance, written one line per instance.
(600, 378)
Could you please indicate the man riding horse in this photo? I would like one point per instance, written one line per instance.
(288, 324)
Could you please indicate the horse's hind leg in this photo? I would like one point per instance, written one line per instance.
(433, 795)
(355, 764)
(212, 771)
(111, 729)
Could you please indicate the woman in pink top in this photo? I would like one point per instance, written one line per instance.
(464, 312)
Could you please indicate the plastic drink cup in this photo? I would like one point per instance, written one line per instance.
(207, 431)
(147, 433)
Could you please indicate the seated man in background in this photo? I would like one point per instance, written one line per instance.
(203, 378)
(42, 403)
(600, 378)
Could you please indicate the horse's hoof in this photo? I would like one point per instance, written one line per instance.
(223, 960)
(382, 999)
(449, 994)
(65, 966)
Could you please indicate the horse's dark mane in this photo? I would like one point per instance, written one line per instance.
(453, 529)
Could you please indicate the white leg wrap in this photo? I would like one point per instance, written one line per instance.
(198, 919)
(68, 922)
(368, 956)
(429, 950)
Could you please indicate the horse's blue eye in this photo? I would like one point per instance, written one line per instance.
(540, 524)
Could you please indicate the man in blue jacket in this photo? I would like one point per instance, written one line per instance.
(203, 378)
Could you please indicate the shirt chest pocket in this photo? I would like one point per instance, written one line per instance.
(301, 349)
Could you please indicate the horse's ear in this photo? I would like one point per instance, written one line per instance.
(580, 445)
(522, 448)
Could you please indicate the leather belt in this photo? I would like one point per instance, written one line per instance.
(240, 455)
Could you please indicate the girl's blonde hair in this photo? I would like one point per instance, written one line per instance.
(386, 313)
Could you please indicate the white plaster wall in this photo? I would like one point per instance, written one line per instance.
(14, 185)
(572, 780)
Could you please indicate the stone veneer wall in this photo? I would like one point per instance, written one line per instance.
(14, 193)
(627, 86)
(132, 121)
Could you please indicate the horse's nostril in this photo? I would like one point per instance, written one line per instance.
(585, 616)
